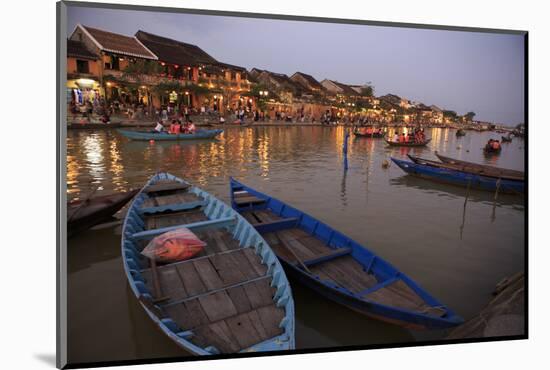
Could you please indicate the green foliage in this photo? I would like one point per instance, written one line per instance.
(469, 116)
(168, 86)
(144, 67)
(450, 114)
(367, 91)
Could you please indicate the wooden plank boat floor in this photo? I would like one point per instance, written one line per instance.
(225, 298)
(343, 271)
(399, 294)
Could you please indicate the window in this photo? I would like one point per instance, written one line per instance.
(82, 66)
(114, 63)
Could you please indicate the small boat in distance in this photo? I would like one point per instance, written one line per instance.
(460, 132)
(85, 213)
(164, 136)
(506, 139)
(411, 143)
(231, 297)
(501, 172)
(456, 177)
(337, 267)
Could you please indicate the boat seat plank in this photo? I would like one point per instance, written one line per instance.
(266, 215)
(180, 218)
(163, 200)
(217, 306)
(356, 271)
(289, 241)
(340, 276)
(248, 200)
(188, 315)
(164, 187)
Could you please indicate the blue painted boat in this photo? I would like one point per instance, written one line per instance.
(460, 178)
(232, 297)
(338, 267)
(146, 136)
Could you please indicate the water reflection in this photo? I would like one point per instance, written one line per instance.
(411, 222)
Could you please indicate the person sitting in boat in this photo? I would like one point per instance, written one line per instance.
(406, 137)
(368, 131)
(396, 137)
(495, 145)
(402, 138)
(177, 127)
(191, 129)
(159, 127)
(172, 128)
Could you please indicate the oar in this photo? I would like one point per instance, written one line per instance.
(284, 244)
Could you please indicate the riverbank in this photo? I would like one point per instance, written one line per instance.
(207, 121)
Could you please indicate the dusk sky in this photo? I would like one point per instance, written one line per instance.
(460, 71)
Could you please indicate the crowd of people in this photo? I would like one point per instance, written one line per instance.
(417, 136)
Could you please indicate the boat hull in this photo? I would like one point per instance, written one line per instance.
(146, 136)
(503, 172)
(402, 317)
(98, 209)
(459, 178)
(412, 144)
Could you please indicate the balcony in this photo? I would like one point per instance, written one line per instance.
(145, 79)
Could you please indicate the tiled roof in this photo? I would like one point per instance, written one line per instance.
(175, 52)
(310, 79)
(77, 49)
(346, 90)
(118, 44)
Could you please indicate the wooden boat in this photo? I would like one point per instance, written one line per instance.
(477, 170)
(232, 297)
(337, 267)
(506, 139)
(371, 135)
(92, 125)
(456, 177)
(485, 169)
(144, 135)
(460, 132)
(85, 213)
(411, 143)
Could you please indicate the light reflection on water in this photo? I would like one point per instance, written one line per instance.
(458, 254)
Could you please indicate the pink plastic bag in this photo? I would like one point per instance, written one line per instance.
(172, 246)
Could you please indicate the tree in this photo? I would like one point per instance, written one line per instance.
(367, 90)
(469, 116)
(450, 114)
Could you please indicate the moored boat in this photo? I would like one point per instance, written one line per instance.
(488, 149)
(372, 135)
(144, 135)
(477, 170)
(92, 125)
(85, 213)
(231, 297)
(498, 171)
(506, 139)
(411, 143)
(461, 178)
(460, 132)
(337, 267)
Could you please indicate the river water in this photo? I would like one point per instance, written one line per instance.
(456, 253)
